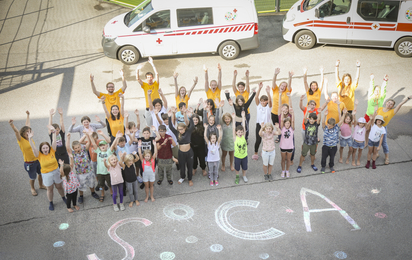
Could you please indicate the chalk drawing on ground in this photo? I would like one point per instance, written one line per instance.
(340, 255)
(307, 211)
(380, 215)
(264, 256)
(191, 239)
(239, 211)
(216, 248)
(64, 226)
(288, 210)
(129, 250)
(167, 256)
(375, 191)
(169, 211)
(59, 244)
(222, 220)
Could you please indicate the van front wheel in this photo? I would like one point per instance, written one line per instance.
(229, 50)
(305, 40)
(403, 47)
(129, 55)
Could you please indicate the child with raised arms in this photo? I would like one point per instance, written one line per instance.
(240, 147)
(70, 183)
(346, 134)
(213, 155)
(375, 140)
(130, 175)
(287, 128)
(263, 108)
(181, 94)
(165, 155)
(310, 140)
(113, 166)
(268, 133)
(149, 169)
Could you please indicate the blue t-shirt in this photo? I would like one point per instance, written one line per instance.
(180, 118)
(124, 149)
(331, 136)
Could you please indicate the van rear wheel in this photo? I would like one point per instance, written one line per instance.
(305, 40)
(229, 50)
(128, 55)
(403, 47)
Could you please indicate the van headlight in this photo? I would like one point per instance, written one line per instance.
(109, 39)
(290, 17)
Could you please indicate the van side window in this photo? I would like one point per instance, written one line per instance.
(378, 10)
(309, 4)
(159, 20)
(334, 7)
(194, 16)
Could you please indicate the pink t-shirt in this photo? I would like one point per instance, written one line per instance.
(346, 131)
(286, 141)
(359, 133)
(268, 140)
(116, 174)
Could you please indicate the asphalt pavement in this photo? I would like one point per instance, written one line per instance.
(47, 51)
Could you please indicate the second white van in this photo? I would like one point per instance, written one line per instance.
(165, 27)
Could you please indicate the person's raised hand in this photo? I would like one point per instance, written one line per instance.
(230, 101)
(222, 103)
(175, 75)
(52, 112)
(305, 70)
(386, 77)
(136, 112)
(337, 63)
(150, 60)
(302, 97)
(160, 91)
(277, 71)
(119, 134)
(11, 121)
(60, 111)
(204, 67)
(30, 134)
(121, 73)
(73, 120)
(153, 128)
(61, 162)
(91, 77)
(247, 73)
(291, 73)
(27, 112)
(235, 73)
(195, 80)
(219, 127)
(218, 66)
(357, 63)
(126, 114)
(100, 132)
(97, 118)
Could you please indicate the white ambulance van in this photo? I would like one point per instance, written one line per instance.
(171, 27)
(373, 23)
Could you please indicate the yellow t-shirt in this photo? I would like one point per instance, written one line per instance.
(179, 99)
(111, 100)
(25, 148)
(315, 97)
(333, 111)
(155, 91)
(213, 96)
(48, 162)
(348, 95)
(116, 125)
(275, 102)
(245, 95)
(387, 116)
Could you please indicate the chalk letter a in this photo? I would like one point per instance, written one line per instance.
(307, 211)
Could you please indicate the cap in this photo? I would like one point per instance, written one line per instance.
(361, 120)
(102, 142)
(380, 118)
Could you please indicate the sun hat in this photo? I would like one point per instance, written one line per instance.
(380, 118)
(361, 120)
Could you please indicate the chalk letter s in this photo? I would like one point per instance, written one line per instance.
(112, 234)
(307, 211)
(222, 221)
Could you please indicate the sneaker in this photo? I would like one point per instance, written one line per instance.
(122, 206)
(368, 164)
(181, 181)
(245, 179)
(115, 207)
(299, 169)
(270, 177)
(216, 183)
(322, 170)
(282, 174)
(314, 167)
(51, 206)
(266, 177)
(94, 195)
(80, 200)
(142, 186)
(237, 179)
(287, 174)
(332, 170)
(211, 183)
(373, 165)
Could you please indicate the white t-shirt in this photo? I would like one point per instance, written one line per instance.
(155, 121)
(263, 114)
(134, 146)
(213, 152)
(376, 133)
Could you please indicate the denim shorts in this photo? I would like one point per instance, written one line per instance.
(32, 168)
(149, 176)
(356, 145)
(345, 142)
(372, 143)
(240, 162)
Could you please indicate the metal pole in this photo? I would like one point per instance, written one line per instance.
(277, 4)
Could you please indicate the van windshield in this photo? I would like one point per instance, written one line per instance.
(309, 4)
(137, 13)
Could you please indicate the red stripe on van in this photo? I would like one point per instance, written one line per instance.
(362, 28)
(205, 31)
(216, 30)
(404, 27)
(221, 30)
(194, 32)
(387, 29)
(211, 31)
(367, 24)
(226, 30)
(388, 25)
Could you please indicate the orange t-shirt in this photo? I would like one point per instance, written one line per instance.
(116, 125)
(304, 116)
(349, 95)
(315, 97)
(179, 99)
(48, 162)
(155, 91)
(25, 148)
(333, 110)
(245, 95)
(111, 100)
(387, 116)
(275, 103)
(213, 95)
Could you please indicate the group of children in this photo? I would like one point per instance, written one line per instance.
(190, 137)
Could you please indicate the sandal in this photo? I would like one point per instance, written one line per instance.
(159, 182)
(386, 160)
(170, 182)
(101, 199)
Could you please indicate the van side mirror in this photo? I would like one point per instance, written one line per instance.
(317, 13)
(146, 29)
